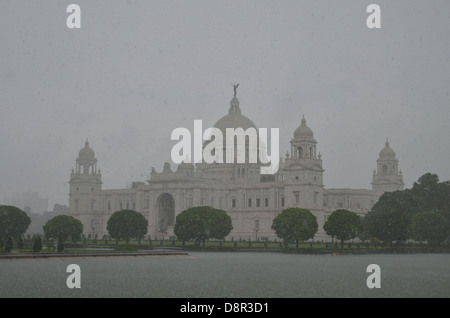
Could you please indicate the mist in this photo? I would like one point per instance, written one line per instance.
(136, 70)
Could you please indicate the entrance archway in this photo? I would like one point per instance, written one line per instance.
(166, 212)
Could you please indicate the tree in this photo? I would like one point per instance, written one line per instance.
(443, 199)
(295, 225)
(426, 190)
(388, 225)
(390, 216)
(221, 225)
(364, 231)
(343, 224)
(403, 200)
(432, 194)
(13, 222)
(202, 223)
(429, 226)
(127, 224)
(61, 227)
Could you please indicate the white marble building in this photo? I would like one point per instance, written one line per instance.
(251, 199)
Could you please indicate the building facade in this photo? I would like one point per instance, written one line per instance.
(251, 199)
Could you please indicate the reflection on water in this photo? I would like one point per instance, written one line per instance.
(233, 275)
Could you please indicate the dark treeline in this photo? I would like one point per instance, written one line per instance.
(421, 213)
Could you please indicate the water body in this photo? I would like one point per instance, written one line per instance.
(230, 275)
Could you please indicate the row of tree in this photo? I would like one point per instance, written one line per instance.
(421, 213)
(14, 222)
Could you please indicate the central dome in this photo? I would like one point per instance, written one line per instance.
(234, 119)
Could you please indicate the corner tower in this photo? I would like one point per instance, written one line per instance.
(85, 187)
(303, 145)
(387, 177)
(303, 172)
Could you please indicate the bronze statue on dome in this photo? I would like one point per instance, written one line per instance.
(235, 86)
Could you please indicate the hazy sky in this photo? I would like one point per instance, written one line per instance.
(138, 69)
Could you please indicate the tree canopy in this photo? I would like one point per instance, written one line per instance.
(432, 194)
(127, 224)
(13, 222)
(392, 217)
(202, 223)
(295, 225)
(63, 227)
(388, 225)
(343, 224)
(402, 200)
(429, 226)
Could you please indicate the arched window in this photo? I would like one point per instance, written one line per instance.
(385, 170)
(300, 152)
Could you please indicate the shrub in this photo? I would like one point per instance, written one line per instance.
(37, 243)
(374, 241)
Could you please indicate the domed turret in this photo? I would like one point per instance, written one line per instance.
(86, 162)
(387, 151)
(387, 177)
(86, 153)
(303, 131)
(303, 145)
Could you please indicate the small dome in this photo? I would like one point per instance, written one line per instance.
(86, 152)
(387, 151)
(303, 131)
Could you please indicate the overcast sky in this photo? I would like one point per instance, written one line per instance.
(138, 69)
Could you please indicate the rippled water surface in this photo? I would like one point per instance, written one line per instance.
(229, 275)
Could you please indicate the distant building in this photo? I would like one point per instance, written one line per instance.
(28, 201)
(252, 200)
